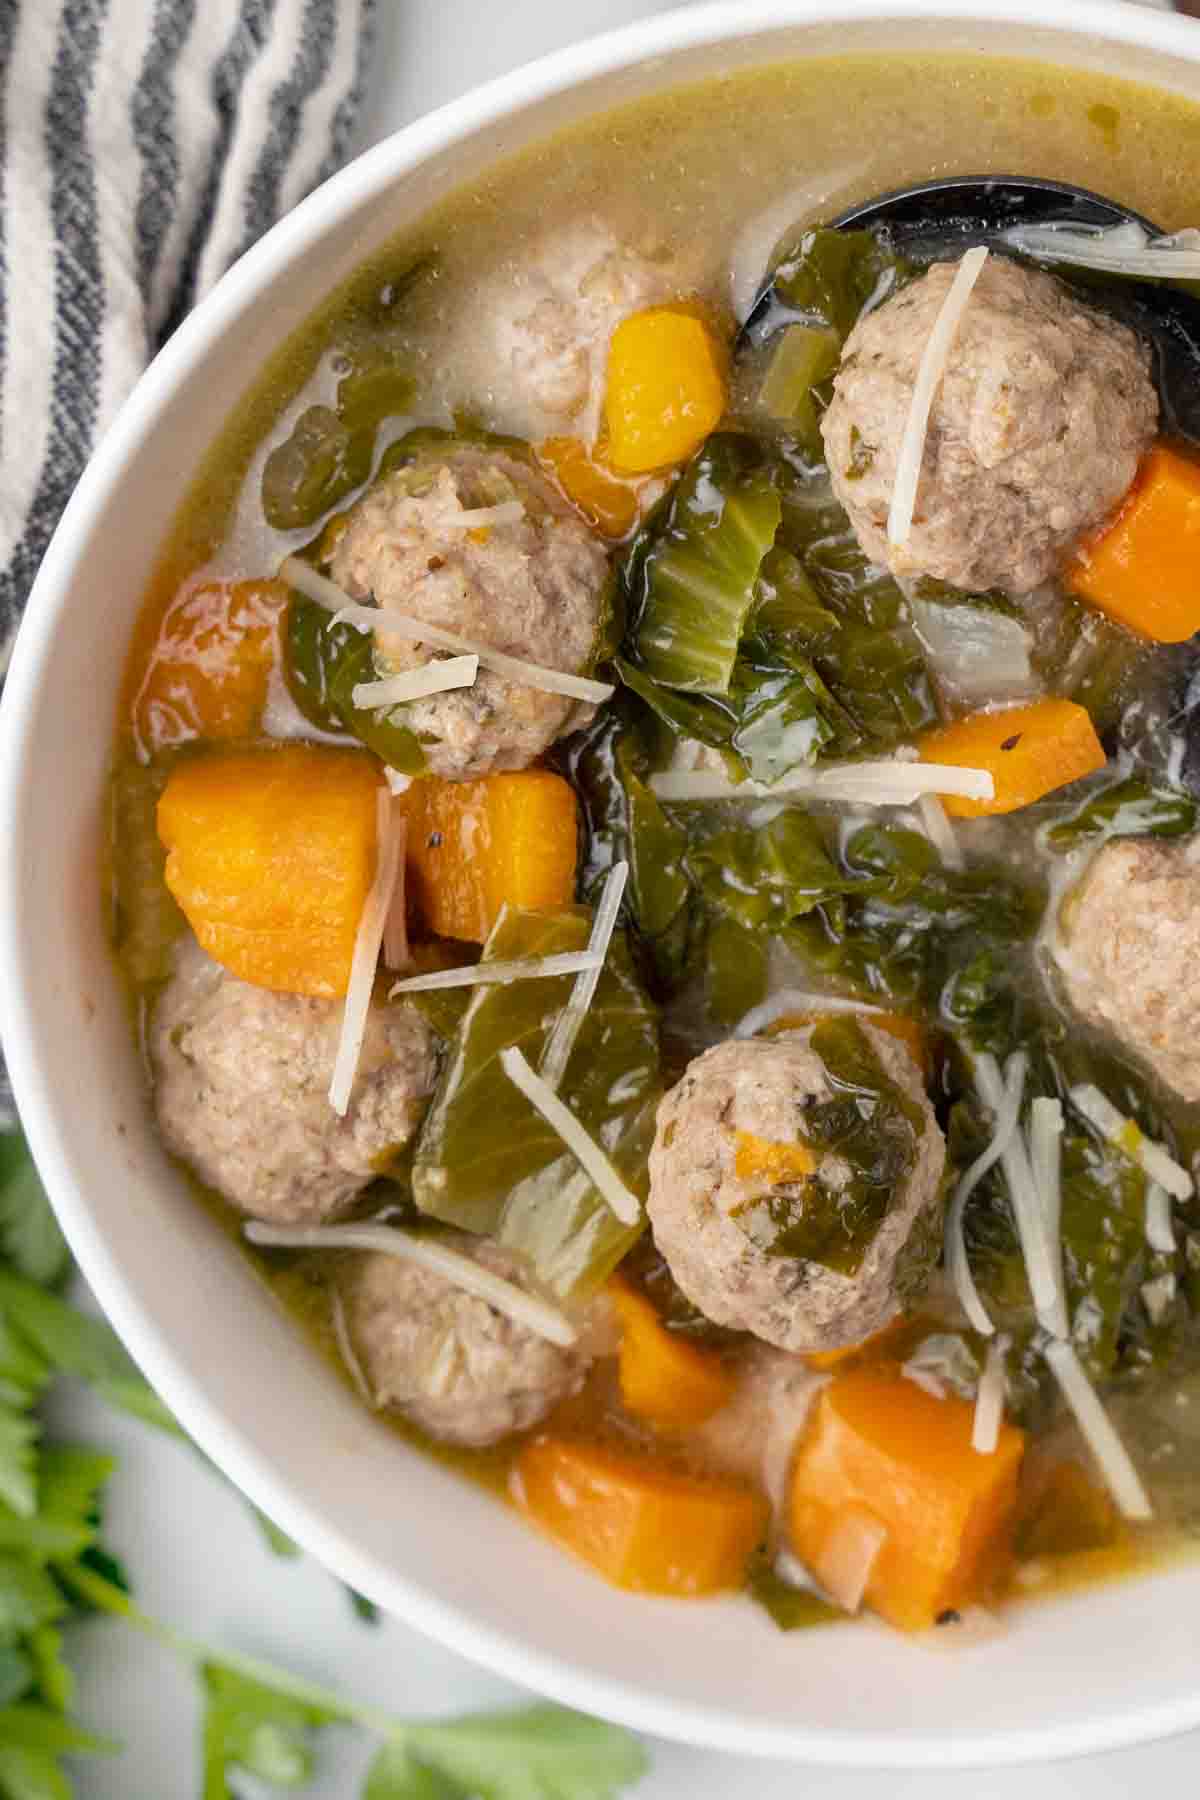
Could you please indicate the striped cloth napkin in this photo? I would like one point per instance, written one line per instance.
(144, 144)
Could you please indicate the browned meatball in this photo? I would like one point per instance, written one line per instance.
(1129, 949)
(1039, 422)
(241, 1087)
(762, 1087)
(532, 586)
(448, 1361)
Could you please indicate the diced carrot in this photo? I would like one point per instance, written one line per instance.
(1141, 570)
(665, 390)
(664, 1378)
(473, 845)
(608, 503)
(1028, 751)
(759, 1159)
(880, 1445)
(206, 675)
(640, 1524)
(270, 854)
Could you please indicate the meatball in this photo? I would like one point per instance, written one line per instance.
(448, 1361)
(1128, 950)
(1041, 417)
(532, 586)
(241, 1087)
(535, 343)
(762, 1087)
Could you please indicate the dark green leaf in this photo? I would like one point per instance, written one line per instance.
(518, 1181)
(322, 664)
(767, 878)
(320, 461)
(690, 577)
(833, 276)
(1129, 808)
(363, 1609)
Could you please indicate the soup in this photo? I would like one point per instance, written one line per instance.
(652, 844)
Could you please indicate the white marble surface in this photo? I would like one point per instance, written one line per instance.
(197, 1558)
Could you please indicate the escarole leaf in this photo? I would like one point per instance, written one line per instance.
(833, 276)
(516, 1180)
(1128, 808)
(692, 576)
(322, 665)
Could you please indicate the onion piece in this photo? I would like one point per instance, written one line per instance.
(1147, 1152)
(935, 822)
(583, 1147)
(796, 1000)
(1006, 1108)
(989, 1401)
(1160, 1232)
(485, 974)
(429, 1253)
(1126, 249)
(417, 684)
(892, 783)
(848, 1555)
(981, 656)
(396, 953)
(1115, 1464)
(929, 374)
(365, 958)
(569, 1023)
(318, 587)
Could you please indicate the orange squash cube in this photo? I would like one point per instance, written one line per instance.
(1141, 570)
(640, 1524)
(879, 1445)
(665, 391)
(207, 671)
(474, 845)
(1028, 750)
(609, 504)
(270, 855)
(663, 1378)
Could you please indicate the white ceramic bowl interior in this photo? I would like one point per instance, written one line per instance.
(1103, 1668)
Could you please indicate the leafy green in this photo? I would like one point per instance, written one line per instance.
(1132, 807)
(29, 1232)
(832, 276)
(767, 878)
(144, 920)
(255, 1728)
(519, 1182)
(792, 1608)
(871, 1125)
(322, 664)
(690, 578)
(803, 357)
(319, 462)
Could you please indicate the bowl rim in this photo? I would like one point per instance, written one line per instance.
(361, 182)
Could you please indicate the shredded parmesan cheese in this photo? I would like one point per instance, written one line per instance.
(929, 375)
(430, 1253)
(892, 783)
(583, 1147)
(796, 1000)
(989, 1401)
(1160, 1233)
(485, 974)
(935, 822)
(569, 1022)
(327, 593)
(1128, 1137)
(417, 684)
(1041, 1261)
(365, 959)
(1045, 1161)
(1006, 1107)
(1116, 1466)
(476, 518)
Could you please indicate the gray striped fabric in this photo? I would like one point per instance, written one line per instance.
(144, 144)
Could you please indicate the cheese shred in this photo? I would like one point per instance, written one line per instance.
(1151, 1156)
(367, 944)
(500, 973)
(583, 1147)
(569, 1023)
(1116, 1466)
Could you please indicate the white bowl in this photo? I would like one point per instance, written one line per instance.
(1100, 1669)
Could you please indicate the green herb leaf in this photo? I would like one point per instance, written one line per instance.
(1129, 808)
(539, 1752)
(255, 1728)
(395, 1774)
(28, 1597)
(29, 1233)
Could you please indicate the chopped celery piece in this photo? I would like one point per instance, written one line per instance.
(488, 1162)
(802, 356)
(693, 574)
